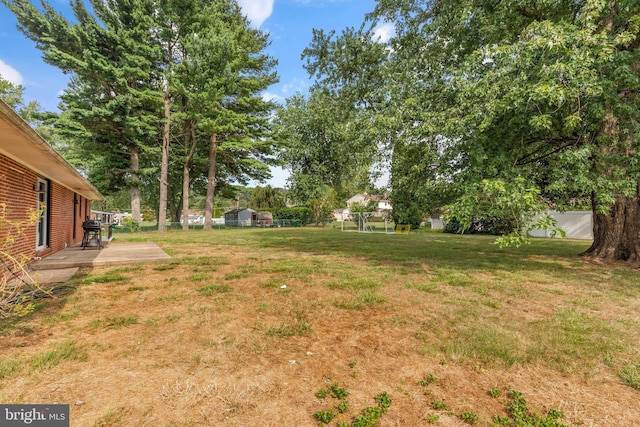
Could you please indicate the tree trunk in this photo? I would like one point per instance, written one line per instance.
(185, 184)
(189, 146)
(175, 209)
(211, 183)
(616, 236)
(185, 197)
(164, 165)
(134, 166)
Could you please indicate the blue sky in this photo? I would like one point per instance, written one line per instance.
(289, 23)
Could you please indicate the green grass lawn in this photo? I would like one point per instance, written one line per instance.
(580, 314)
(249, 323)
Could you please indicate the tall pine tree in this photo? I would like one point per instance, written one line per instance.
(111, 106)
(217, 90)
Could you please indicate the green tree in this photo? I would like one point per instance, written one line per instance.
(545, 92)
(148, 73)
(266, 198)
(328, 138)
(216, 88)
(322, 209)
(110, 108)
(322, 205)
(238, 120)
(31, 112)
(321, 146)
(13, 96)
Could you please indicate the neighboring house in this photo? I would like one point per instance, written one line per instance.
(34, 177)
(341, 214)
(193, 217)
(382, 204)
(243, 217)
(576, 224)
(437, 223)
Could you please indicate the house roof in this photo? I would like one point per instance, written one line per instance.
(239, 210)
(21, 143)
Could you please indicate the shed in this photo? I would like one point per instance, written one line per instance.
(242, 217)
(264, 219)
(35, 178)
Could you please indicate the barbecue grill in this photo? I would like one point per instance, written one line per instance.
(92, 233)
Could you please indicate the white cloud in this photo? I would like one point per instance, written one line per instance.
(384, 32)
(278, 178)
(318, 2)
(257, 10)
(9, 73)
(296, 85)
(270, 96)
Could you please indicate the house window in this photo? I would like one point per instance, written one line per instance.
(42, 205)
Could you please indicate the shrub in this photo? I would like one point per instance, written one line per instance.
(18, 292)
(303, 215)
(492, 225)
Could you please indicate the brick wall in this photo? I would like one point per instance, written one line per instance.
(65, 205)
(16, 191)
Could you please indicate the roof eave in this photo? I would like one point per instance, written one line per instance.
(26, 147)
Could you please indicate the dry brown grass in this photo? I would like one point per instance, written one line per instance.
(212, 339)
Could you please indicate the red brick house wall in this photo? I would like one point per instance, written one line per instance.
(67, 210)
(64, 230)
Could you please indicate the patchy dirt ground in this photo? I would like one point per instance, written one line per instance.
(248, 339)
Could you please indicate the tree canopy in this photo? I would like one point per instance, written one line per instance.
(478, 107)
(488, 107)
(327, 137)
(541, 92)
(157, 86)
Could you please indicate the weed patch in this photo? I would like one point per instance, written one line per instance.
(361, 301)
(112, 417)
(199, 277)
(200, 261)
(165, 267)
(236, 275)
(353, 284)
(60, 317)
(126, 269)
(572, 339)
(429, 288)
(10, 367)
(368, 417)
(487, 343)
(630, 375)
(469, 417)
(137, 288)
(214, 289)
(114, 322)
(66, 350)
(427, 381)
(522, 417)
(302, 327)
(273, 283)
(108, 277)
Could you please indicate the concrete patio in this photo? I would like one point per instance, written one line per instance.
(60, 266)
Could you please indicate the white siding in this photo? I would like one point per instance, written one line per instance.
(577, 224)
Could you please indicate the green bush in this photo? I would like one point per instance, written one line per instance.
(301, 215)
(493, 226)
